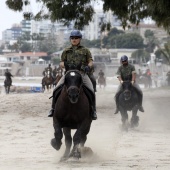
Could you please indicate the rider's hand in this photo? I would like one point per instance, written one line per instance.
(132, 82)
(86, 69)
(121, 81)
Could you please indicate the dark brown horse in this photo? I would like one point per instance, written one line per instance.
(47, 81)
(72, 111)
(7, 83)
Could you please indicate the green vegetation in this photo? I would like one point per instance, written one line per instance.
(82, 12)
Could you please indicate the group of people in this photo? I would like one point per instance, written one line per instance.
(150, 77)
(53, 72)
(76, 54)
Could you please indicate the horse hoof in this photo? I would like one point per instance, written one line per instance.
(55, 145)
(64, 158)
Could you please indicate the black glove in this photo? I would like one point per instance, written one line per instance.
(86, 69)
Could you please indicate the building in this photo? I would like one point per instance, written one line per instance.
(12, 34)
(159, 32)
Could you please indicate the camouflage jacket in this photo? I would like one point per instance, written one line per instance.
(77, 55)
(126, 71)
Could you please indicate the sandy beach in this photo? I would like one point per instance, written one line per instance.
(26, 131)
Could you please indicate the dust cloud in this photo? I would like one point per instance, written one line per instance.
(26, 131)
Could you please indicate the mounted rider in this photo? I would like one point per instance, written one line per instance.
(74, 55)
(101, 73)
(9, 75)
(124, 71)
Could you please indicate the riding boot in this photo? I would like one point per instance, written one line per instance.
(116, 100)
(51, 112)
(56, 94)
(140, 103)
(93, 111)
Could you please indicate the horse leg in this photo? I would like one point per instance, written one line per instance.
(124, 115)
(135, 118)
(68, 143)
(79, 139)
(8, 89)
(56, 142)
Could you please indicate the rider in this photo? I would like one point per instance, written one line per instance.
(8, 74)
(101, 73)
(74, 55)
(127, 70)
(54, 71)
(50, 69)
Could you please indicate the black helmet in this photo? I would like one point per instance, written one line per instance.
(76, 33)
(124, 58)
(49, 65)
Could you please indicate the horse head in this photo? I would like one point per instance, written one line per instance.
(73, 83)
(48, 73)
(127, 89)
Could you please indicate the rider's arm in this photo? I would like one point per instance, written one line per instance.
(133, 77)
(62, 64)
(133, 74)
(89, 58)
(119, 75)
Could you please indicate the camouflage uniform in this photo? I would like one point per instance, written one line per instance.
(75, 56)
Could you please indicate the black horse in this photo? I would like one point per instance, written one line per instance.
(47, 81)
(72, 111)
(7, 83)
(128, 101)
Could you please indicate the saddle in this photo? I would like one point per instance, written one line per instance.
(87, 91)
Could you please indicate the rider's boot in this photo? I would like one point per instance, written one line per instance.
(116, 100)
(51, 112)
(93, 112)
(93, 109)
(140, 103)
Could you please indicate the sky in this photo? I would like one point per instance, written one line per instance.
(9, 17)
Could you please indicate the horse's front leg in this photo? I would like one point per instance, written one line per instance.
(135, 118)
(56, 142)
(124, 116)
(68, 143)
(80, 138)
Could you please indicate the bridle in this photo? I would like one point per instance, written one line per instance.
(74, 87)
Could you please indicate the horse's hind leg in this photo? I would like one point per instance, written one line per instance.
(8, 89)
(68, 143)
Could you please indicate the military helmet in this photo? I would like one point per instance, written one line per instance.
(124, 58)
(75, 33)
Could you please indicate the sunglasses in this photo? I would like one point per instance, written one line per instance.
(74, 38)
